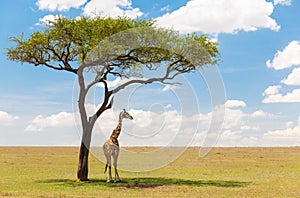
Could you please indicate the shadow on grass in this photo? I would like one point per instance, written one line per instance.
(147, 182)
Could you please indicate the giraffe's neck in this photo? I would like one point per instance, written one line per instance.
(116, 132)
(120, 121)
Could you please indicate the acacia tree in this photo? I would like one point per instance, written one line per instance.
(77, 45)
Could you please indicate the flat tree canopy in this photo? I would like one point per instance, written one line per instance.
(110, 47)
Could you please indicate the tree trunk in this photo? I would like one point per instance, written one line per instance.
(87, 125)
(82, 172)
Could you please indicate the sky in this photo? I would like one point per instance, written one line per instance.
(259, 71)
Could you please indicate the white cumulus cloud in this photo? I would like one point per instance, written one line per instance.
(221, 16)
(111, 8)
(285, 137)
(162, 129)
(290, 97)
(149, 128)
(293, 78)
(170, 127)
(260, 113)
(272, 90)
(235, 103)
(288, 57)
(6, 118)
(39, 123)
(60, 5)
(46, 20)
(283, 2)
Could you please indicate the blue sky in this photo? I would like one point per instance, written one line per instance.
(259, 42)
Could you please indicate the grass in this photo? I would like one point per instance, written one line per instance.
(224, 172)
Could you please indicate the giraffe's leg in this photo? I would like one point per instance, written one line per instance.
(107, 154)
(115, 156)
(109, 174)
(109, 168)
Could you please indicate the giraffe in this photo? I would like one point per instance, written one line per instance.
(111, 146)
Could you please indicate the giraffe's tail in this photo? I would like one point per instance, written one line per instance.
(106, 165)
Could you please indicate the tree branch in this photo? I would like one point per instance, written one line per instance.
(67, 66)
(105, 105)
(59, 68)
(148, 81)
(163, 79)
(97, 79)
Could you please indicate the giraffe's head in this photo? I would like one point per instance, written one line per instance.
(125, 114)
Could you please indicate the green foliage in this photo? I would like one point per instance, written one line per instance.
(65, 44)
(67, 40)
(135, 50)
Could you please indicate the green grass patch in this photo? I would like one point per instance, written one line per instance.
(224, 172)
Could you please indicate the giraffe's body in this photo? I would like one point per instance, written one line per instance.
(111, 147)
